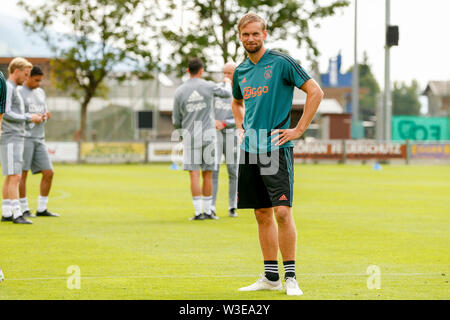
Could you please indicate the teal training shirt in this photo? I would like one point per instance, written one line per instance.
(267, 89)
(2, 93)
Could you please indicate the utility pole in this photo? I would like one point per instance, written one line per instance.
(355, 81)
(387, 81)
(391, 40)
(379, 127)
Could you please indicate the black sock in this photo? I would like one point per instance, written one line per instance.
(271, 270)
(289, 269)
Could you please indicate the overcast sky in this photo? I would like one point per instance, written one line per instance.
(423, 52)
(424, 47)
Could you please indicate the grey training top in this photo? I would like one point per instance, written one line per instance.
(193, 110)
(34, 101)
(222, 109)
(15, 117)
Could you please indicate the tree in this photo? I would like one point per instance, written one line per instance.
(367, 102)
(95, 36)
(405, 99)
(212, 28)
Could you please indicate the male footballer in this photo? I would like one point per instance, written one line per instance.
(226, 145)
(263, 87)
(2, 111)
(193, 114)
(12, 140)
(2, 96)
(35, 153)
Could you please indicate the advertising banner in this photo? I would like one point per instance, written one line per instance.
(354, 149)
(63, 151)
(318, 149)
(112, 152)
(419, 128)
(430, 151)
(165, 152)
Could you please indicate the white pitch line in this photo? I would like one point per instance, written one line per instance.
(63, 195)
(136, 277)
(225, 276)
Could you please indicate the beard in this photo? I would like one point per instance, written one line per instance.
(254, 50)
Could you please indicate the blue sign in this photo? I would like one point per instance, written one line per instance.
(334, 78)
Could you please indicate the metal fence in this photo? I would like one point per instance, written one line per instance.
(111, 118)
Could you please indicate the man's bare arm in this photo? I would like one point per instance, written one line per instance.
(314, 95)
(237, 106)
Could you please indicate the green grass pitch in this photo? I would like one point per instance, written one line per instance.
(126, 227)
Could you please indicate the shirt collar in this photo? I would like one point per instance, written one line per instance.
(262, 57)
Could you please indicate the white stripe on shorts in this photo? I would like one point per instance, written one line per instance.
(10, 155)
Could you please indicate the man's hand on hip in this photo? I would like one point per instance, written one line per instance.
(285, 135)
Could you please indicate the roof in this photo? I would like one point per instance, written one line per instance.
(438, 88)
(326, 106)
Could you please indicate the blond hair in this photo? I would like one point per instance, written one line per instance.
(19, 63)
(249, 18)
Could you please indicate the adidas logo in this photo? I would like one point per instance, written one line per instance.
(283, 197)
(195, 97)
(244, 80)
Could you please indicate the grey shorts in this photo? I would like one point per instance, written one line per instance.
(201, 158)
(35, 156)
(12, 155)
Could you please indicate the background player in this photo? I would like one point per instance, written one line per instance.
(193, 113)
(35, 153)
(2, 96)
(12, 140)
(266, 81)
(2, 111)
(226, 144)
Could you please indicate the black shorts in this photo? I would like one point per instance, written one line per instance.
(266, 180)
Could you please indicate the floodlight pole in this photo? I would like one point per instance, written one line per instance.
(387, 82)
(355, 81)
